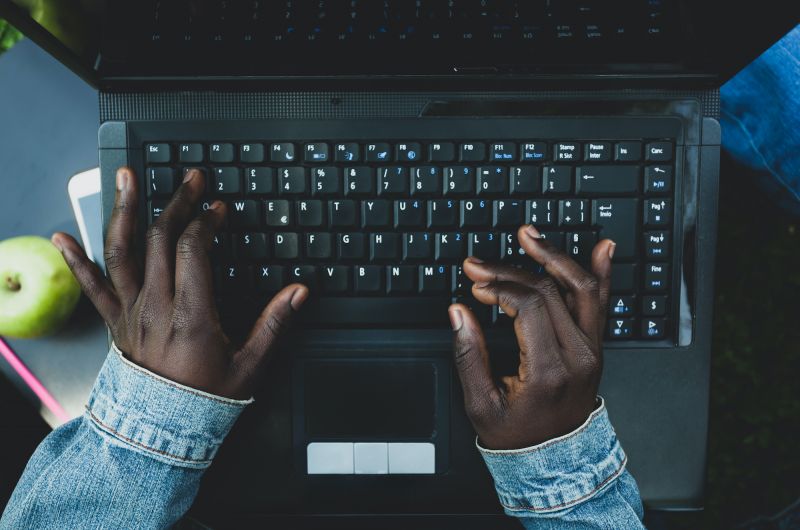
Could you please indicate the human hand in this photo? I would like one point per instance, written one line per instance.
(560, 344)
(165, 319)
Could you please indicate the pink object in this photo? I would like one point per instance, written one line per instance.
(34, 384)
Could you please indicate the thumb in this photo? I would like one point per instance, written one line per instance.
(471, 359)
(273, 322)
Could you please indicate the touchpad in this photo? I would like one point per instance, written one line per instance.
(385, 400)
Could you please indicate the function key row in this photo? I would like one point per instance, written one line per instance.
(383, 152)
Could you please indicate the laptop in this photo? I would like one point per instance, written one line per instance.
(366, 148)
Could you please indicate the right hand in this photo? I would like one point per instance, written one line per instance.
(164, 318)
(560, 344)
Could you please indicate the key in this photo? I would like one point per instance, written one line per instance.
(433, 279)
(251, 153)
(620, 306)
(484, 245)
(342, 213)
(510, 249)
(450, 246)
(623, 276)
(597, 152)
(379, 152)
(618, 219)
(326, 181)
(555, 238)
(658, 212)
(350, 246)
(316, 152)
(359, 181)
(376, 214)
(540, 212)
(278, 213)
(442, 213)
(505, 152)
(221, 153)
(392, 181)
(657, 179)
(270, 278)
(654, 328)
(460, 283)
(220, 245)
(310, 213)
(628, 151)
(336, 279)
(534, 152)
(441, 152)
(282, 152)
(237, 277)
(292, 181)
(409, 214)
(305, 274)
(473, 152)
(580, 245)
(620, 328)
(190, 153)
(659, 151)
(459, 180)
(525, 179)
(475, 213)
(656, 276)
(376, 311)
(409, 152)
(654, 305)
(319, 245)
(417, 245)
(286, 246)
(482, 312)
(259, 180)
(161, 181)
(157, 153)
(227, 181)
(508, 213)
(401, 279)
(384, 246)
(605, 180)
(369, 279)
(657, 244)
(492, 180)
(573, 212)
(156, 209)
(557, 179)
(426, 180)
(253, 246)
(245, 214)
(567, 152)
(347, 152)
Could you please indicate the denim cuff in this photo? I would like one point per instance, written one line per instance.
(160, 418)
(559, 473)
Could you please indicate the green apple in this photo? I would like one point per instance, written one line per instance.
(37, 290)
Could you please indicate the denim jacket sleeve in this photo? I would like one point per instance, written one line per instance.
(578, 480)
(134, 459)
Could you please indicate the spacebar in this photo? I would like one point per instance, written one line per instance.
(391, 312)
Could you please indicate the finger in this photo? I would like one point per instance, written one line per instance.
(91, 279)
(119, 254)
(601, 268)
(163, 234)
(193, 281)
(273, 322)
(471, 358)
(562, 320)
(581, 285)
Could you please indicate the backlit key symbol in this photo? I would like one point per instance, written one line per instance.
(658, 170)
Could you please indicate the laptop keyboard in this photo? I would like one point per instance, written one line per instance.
(378, 229)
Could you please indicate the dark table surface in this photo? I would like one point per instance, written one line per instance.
(49, 123)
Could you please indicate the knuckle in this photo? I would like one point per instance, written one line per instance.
(156, 234)
(188, 244)
(115, 256)
(534, 301)
(555, 383)
(547, 287)
(588, 284)
(275, 324)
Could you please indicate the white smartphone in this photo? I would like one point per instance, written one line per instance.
(84, 193)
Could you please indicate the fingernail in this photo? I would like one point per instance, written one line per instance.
(298, 298)
(122, 179)
(611, 248)
(532, 232)
(189, 175)
(473, 259)
(56, 240)
(215, 205)
(480, 285)
(456, 320)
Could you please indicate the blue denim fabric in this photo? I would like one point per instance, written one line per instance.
(578, 480)
(760, 120)
(135, 460)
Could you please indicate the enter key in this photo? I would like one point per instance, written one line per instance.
(618, 220)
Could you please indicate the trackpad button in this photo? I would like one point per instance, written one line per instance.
(412, 458)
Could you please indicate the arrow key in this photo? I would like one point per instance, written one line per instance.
(620, 328)
(654, 328)
(620, 306)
